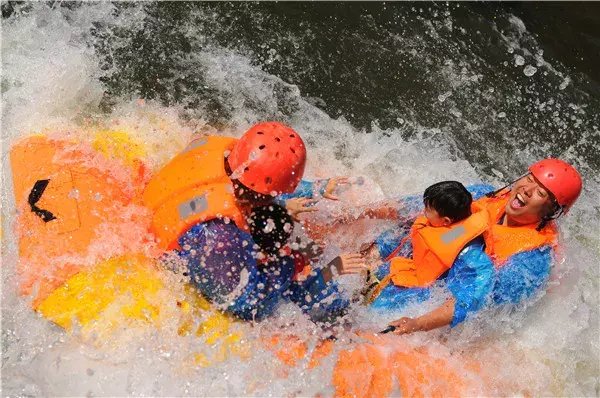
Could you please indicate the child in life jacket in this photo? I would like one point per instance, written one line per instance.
(437, 237)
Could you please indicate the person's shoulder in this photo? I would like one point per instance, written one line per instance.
(473, 251)
(480, 189)
(533, 257)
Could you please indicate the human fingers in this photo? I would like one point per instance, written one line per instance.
(306, 210)
(330, 196)
(341, 180)
(400, 322)
(352, 268)
(307, 201)
(404, 325)
(352, 256)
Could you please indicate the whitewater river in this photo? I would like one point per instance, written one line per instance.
(401, 94)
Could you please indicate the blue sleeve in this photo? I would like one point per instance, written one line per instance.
(470, 281)
(389, 240)
(320, 300)
(479, 190)
(523, 275)
(217, 254)
(305, 189)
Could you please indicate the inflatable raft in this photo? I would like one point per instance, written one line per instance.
(89, 264)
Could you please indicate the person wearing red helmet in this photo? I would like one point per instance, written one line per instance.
(200, 203)
(521, 238)
(508, 264)
(268, 159)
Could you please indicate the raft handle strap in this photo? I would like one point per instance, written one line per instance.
(34, 196)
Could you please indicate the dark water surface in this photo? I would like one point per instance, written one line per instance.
(497, 84)
(449, 66)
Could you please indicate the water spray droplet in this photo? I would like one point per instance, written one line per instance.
(529, 70)
(519, 60)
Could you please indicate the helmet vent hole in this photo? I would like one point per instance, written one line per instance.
(276, 154)
(263, 146)
(246, 169)
(550, 175)
(292, 136)
(293, 150)
(277, 139)
(268, 180)
(260, 133)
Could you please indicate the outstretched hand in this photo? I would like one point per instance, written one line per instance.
(350, 263)
(332, 185)
(297, 206)
(406, 325)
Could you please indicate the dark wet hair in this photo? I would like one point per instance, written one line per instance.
(242, 192)
(450, 199)
(270, 226)
(554, 211)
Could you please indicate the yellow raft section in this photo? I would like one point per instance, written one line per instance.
(128, 291)
(131, 291)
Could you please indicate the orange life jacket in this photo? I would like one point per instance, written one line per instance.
(434, 250)
(431, 259)
(193, 187)
(502, 241)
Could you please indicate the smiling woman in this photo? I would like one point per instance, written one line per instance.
(520, 239)
(508, 262)
(530, 201)
(549, 191)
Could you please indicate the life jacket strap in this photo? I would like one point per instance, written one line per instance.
(397, 249)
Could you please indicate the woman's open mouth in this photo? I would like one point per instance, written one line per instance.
(518, 202)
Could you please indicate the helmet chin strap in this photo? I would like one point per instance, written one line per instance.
(557, 212)
(496, 192)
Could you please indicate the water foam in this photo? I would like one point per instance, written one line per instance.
(51, 82)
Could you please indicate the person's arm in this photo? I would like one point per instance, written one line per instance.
(385, 211)
(470, 282)
(401, 209)
(306, 195)
(441, 316)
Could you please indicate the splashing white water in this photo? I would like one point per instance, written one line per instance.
(51, 83)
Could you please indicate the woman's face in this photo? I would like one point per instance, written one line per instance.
(529, 202)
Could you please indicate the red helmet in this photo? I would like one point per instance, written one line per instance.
(560, 178)
(270, 157)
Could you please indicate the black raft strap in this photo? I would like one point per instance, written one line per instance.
(35, 195)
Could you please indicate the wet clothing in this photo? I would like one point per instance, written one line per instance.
(522, 276)
(221, 261)
(251, 291)
(473, 280)
(469, 281)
